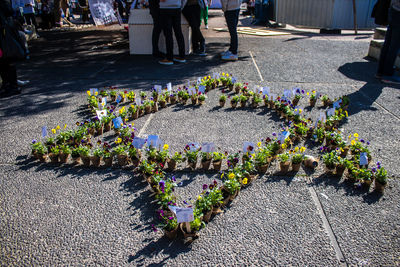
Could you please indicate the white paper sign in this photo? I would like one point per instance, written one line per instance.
(193, 146)
(336, 104)
(248, 147)
(322, 117)
(208, 147)
(158, 88)
(138, 101)
(266, 90)
(282, 136)
(93, 91)
(153, 140)
(182, 214)
(202, 89)
(192, 91)
(169, 87)
(330, 112)
(102, 12)
(363, 158)
(287, 93)
(104, 101)
(318, 95)
(198, 80)
(101, 114)
(138, 142)
(234, 80)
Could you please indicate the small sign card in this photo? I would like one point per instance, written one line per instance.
(249, 147)
(119, 98)
(363, 158)
(193, 146)
(138, 101)
(104, 101)
(202, 89)
(153, 140)
(192, 91)
(93, 91)
(182, 214)
(208, 147)
(158, 88)
(234, 80)
(101, 114)
(287, 93)
(330, 112)
(266, 90)
(44, 131)
(169, 87)
(117, 122)
(198, 80)
(282, 136)
(336, 104)
(138, 142)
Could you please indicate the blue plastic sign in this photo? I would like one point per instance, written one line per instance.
(117, 122)
(44, 131)
(119, 98)
(138, 142)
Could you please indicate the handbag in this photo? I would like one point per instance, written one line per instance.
(11, 44)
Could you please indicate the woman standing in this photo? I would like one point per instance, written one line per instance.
(231, 10)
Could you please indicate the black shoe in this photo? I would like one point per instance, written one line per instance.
(159, 55)
(200, 53)
(11, 92)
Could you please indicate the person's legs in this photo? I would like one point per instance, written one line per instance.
(232, 19)
(8, 74)
(157, 28)
(166, 20)
(192, 15)
(204, 15)
(176, 24)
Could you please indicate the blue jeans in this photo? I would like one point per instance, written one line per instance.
(391, 46)
(232, 19)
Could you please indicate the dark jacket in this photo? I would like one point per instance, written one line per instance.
(6, 9)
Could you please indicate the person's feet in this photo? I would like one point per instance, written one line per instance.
(158, 55)
(10, 91)
(179, 59)
(206, 27)
(230, 57)
(166, 62)
(22, 83)
(224, 53)
(394, 80)
(200, 52)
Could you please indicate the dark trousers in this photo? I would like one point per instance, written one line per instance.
(391, 46)
(157, 28)
(8, 74)
(171, 19)
(192, 15)
(232, 19)
(30, 19)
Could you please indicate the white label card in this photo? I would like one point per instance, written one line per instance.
(208, 147)
(44, 131)
(266, 90)
(158, 88)
(101, 114)
(249, 147)
(234, 80)
(182, 214)
(169, 87)
(153, 140)
(194, 146)
(336, 104)
(363, 158)
(93, 91)
(117, 122)
(287, 93)
(330, 112)
(192, 91)
(202, 89)
(119, 98)
(138, 101)
(104, 101)
(198, 80)
(322, 117)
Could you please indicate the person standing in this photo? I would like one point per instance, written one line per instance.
(391, 47)
(231, 10)
(8, 72)
(29, 12)
(170, 16)
(154, 6)
(204, 14)
(192, 12)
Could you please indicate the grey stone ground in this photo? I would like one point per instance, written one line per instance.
(74, 216)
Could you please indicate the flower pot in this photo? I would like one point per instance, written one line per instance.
(262, 168)
(340, 170)
(208, 88)
(192, 164)
(155, 107)
(216, 210)
(107, 127)
(173, 99)
(135, 115)
(367, 183)
(237, 89)
(171, 234)
(171, 164)
(295, 101)
(53, 157)
(155, 98)
(135, 161)
(233, 104)
(232, 197)
(217, 165)
(313, 102)
(207, 216)
(221, 103)
(205, 165)
(63, 157)
(194, 100)
(41, 157)
(242, 104)
(284, 166)
(329, 169)
(122, 160)
(113, 98)
(91, 131)
(76, 160)
(296, 167)
(96, 161)
(163, 104)
(107, 162)
(99, 131)
(379, 187)
(184, 101)
(147, 109)
(85, 161)
(187, 234)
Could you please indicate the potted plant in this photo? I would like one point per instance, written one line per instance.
(256, 100)
(319, 134)
(365, 177)
(107, 157)
(185, 97)
(162, 155)
(230, 188)
(134, 155)
(284, 162)
(65, 151)
(222, 100)
(326, 100)
(234, 101)
(297, 158)
(216, 197)
(202, 99)
(175, 159)
(162, 100)
(154, 94)
(380, 178)
(107, 122)
(75, 155)
(122, 156)
(147, 106)
(39, 150)
(194, 99)
(238, 86)
(340, 166)
(190, 230)
(170, 226)
(233, 160)
(313, 99)
(217, 158)
(330, 161)
(192, 158)
(262, 159)
(243, 99)
(143, 95)
(131, 96)
(113, 95)
(134, 111)
(53, 155)
(296, 99)
(84, 152)
(204, 205)
(97, 156)
(172, 97)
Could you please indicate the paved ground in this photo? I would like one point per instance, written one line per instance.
(74, 216)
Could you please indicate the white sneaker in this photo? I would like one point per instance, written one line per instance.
(22, 83)
(206, 27)
(225, 53)
(230, 57)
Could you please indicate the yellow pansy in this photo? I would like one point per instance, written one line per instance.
(222, 176)
(302, 149)
(355, 135)
(119, 140)
(300, 111)
(199, 197)
(353, 142)
(296, 149)
(88, 92)
(133, 124)
(96, 93)
(349, 136)
(338, 157)
(259, 144)
(284, 146)
(126, 119)
(223, 74)
(58, 127)
(313, 92)
(308, 93)
(231, 175)
(347, 114)
(227, 75)
(166, 146)
(65, 126)
(53, 131)
(244, 181)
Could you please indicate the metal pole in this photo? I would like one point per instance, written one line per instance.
(355, 16)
